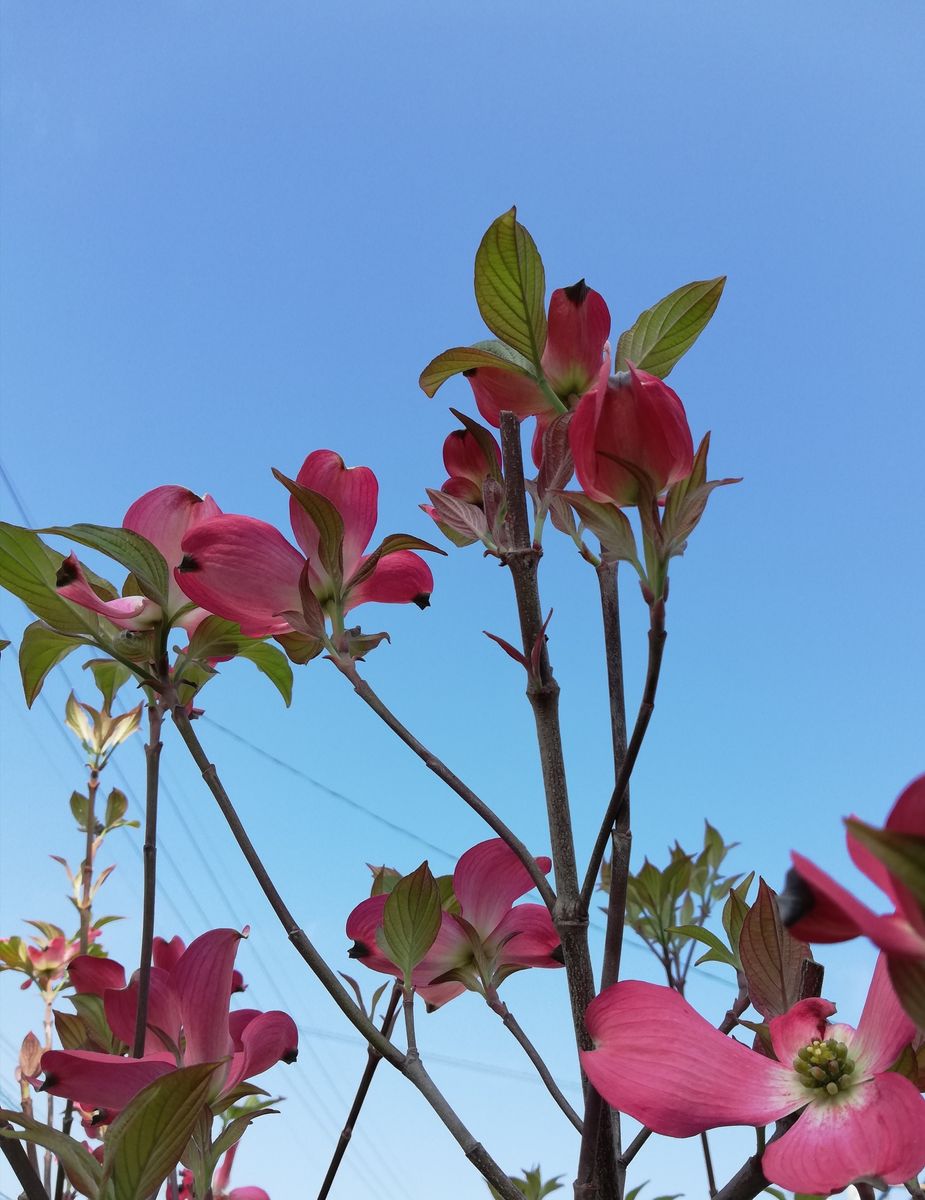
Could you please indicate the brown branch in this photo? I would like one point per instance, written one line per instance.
(511, 1024)
(86, 867)
(411, 1068)
(152, 760)
(348, 669)
(596, 1165)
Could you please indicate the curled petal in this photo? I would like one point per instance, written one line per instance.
(660, 1061)
(243, 570)
(163, 1013)
(166, 954)
(248, 1193)
(362, 926)
(876, 1128)
(265, 1039)
(91, 976)
(128, 612)
(202, 981)
(435, 995)
(837, 916)
(488, 879)
(497, 390)
(163, 516)
(529, 937)
(101, 1080)
(579, 325)
(399, 578)
(798, 1026)
(354, 492)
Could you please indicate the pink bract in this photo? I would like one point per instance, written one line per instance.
(576, 342)
(487, 880)
(163, 516)
(830, 912)
(244, 570)
(188, 1022)
(660, 1061)
(638, 420)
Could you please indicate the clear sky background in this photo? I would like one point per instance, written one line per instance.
(234, 233)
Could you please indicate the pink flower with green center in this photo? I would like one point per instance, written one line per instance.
(244, 570)
(658, 1060)
(163, 516)
(478, 946)
(189, 1022)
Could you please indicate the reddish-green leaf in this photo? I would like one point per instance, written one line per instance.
(133, 551)
(490, 353)
(772, 958)
(81, 1168)
(326, 519)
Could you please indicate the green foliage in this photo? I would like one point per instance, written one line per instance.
(633, 1193)
(81, 1168)
(490, 353)
(146, 1140)
(532, 1185)
(41, 649)
(217, 638)
(28, 569)
(668, 908)
(510, 287)
(109, 676)
(411, 919)
(662, 334)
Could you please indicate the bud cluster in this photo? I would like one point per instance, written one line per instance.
(825, 1066)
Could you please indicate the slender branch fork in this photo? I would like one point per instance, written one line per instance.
(411, 1067)
(152, 757)
(511, 1024)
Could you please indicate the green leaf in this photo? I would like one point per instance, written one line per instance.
(4, 644)
(81, 1168)
(609, 525)
(41, 649)
(510, 287)
(109, 677)
(71, 1031)
(326, 519)
(903, 854)
(717, 953)
(384, 880)
(490, 353)
(273, 663)
(28, 569)
(299, 647)
(91, 1012)
(130, 549)
(771, 958)
(80, 808)
(662, 334)
(411, 919)
(146, 1140)
(116, 807)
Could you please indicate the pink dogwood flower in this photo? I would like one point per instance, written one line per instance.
(660, 1061)
(244, 570)
(578, 327)
(163, 516)
(478, 946)
(188, 1023)
(638, 420)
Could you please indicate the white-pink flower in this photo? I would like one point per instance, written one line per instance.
(658, 1060)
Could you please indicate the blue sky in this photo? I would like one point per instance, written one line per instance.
(234, 235)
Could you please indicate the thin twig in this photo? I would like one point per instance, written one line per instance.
(86, 867)
(511, 1023)
(411, 1068)
(657, 637)
(348, 668)
(152, 759)
(914, 1188)
(622, 839)
(28, 1177)
(596, 1164)
(372, 1061)
(708, 1162)
(634, 1147)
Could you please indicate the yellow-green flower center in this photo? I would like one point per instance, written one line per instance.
(824, 1067)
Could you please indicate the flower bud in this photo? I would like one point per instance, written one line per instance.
(635, 428)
